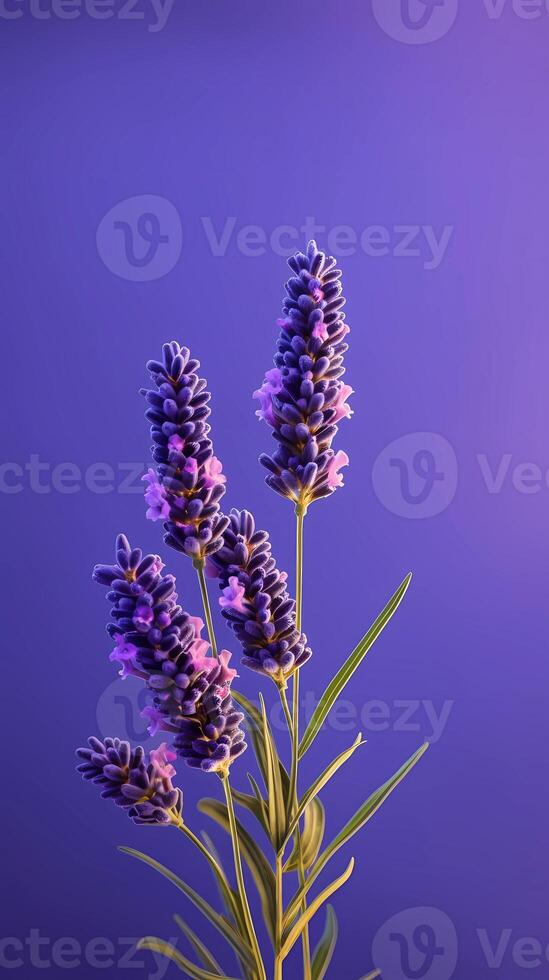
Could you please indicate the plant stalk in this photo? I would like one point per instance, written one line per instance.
(240, 876)
(199, 564)
(300, 517)
(279, 917)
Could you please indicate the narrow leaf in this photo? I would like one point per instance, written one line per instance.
(276, 802)
(228, 895)
(219, 921)
(254, 804)
(257, 862)
(166, 949)
(360, 818)
(311, 837)
(325, 950)
(372, 976)
(299, 926)
(319, 783)
(345, 673)
(256, 734)
(200, 949)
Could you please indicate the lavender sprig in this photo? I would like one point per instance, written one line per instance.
(142, 787)
(185, 488)
(156, 640)
(303, 398)
(255, 600)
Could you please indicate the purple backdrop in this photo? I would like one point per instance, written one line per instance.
(139, 144)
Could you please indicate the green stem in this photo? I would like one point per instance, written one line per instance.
(286, 709)
(217, 869)
(279, 918)
(240, 876)
(199, 564)
(300, 516)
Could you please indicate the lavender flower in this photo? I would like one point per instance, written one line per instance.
(155, 639)
(185, 489)
(211, 738)
(255, 600)
(303, 397)
(143, 788)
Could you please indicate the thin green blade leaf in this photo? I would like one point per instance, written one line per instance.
(323, 953)
(372, 976)
(373, 803)
(256, 734)
(320, 783)
(360, 818)
(276, 802)
(311, 837)
(313, 908)
(202, 951)
(254, 804)
(220, 922)
(166, 949)
(345, 673)
(257, 862)
(228, 895)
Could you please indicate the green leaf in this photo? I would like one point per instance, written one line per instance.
(255, 730)
(276, 802)
(219, 921)
(320, 783)
(166, 949)
(296, 930)
(200, 949)
(345, 673)
(254, 804)
(257, 862)
(311, 837)
(325, 950)
(372, 976)
(231, 901)
(360, 818)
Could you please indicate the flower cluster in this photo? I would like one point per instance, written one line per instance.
(155, 639)
(144, 788)
(255, 600)
(303, 397)
(185, 488)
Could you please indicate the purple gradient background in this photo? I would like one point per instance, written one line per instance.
(271, 113)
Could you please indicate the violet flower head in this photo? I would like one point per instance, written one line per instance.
(255, 600)
(303, 398)
(211, 738)
(187, 484)
(141, 786)
(156, 640)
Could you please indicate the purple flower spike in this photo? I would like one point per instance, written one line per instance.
(211, 738)
(185, 489)
(142, 787)
(256, 602)
(159, 642)
(303, 398)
